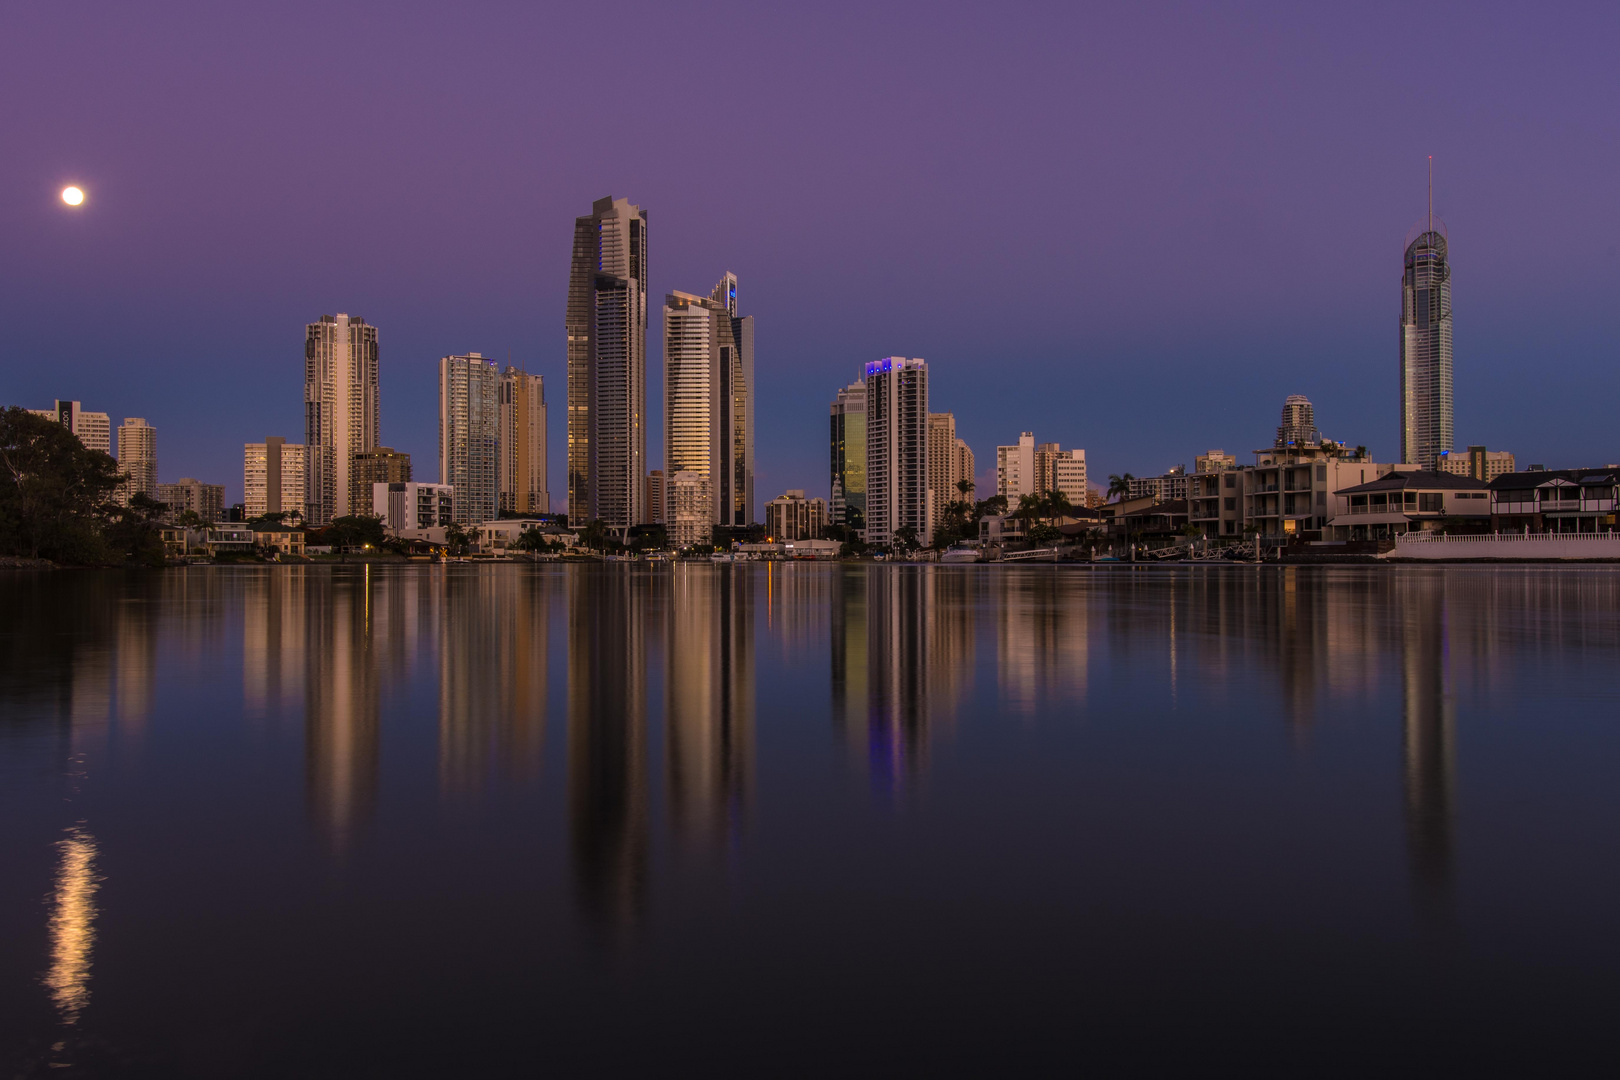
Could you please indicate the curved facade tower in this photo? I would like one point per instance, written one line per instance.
(1426, 430)
(607, 365)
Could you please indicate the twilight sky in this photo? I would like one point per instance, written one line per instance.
(1129, 228)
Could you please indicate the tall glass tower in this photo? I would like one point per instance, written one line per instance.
(849, 458)
(1426, 427)
(607, 365)
(709, 397)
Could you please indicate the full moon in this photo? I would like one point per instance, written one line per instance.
(72, 196)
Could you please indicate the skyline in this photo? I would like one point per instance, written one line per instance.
(1136, 267)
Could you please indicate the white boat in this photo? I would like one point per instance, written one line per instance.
(960, 553)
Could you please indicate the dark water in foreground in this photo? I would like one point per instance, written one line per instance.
(809, 819)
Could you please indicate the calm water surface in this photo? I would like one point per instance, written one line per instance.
(769, 820)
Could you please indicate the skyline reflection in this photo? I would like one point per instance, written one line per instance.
(619, 768)
(709, 723)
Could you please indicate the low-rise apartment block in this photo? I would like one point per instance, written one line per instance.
(793, 517)
(410, 509)
(207, 501)
(1476, 461)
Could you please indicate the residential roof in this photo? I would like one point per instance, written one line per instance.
(1522, 481)
(1419, 480)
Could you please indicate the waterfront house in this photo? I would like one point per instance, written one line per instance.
(1403, 502)
(1555, 500)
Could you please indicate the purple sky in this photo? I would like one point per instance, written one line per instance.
(1134, 230)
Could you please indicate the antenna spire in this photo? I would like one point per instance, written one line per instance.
(1431, 193)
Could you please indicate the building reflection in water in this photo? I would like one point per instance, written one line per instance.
(341, 707)
(709, 725)
(72, 924)
(1428, 715)
(902, 657)
(274, 624)
(1042, 639)
(608, 618)
(492, 642)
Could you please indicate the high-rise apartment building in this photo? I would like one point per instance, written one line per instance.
(949, 463)
(384, 465)
(897, 494)
(709, 397)
(94, 429)
(522, 479)
(1298, 425)
(1031, 469)
(207, 501)
(272, 478)
(1426, 419)
(1061, 470)
(1015, 469)
(655, 497)
(690, 501)
(137, 457)
(469, 434)
(342, 412)
(1478, 462)
(607, 365)
(849, 457)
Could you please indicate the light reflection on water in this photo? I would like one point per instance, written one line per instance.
(646, 754)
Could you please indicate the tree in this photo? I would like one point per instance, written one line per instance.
(905, 538)
(1044, 536)
(54, 493)
(356, 530)
(456, 539)
(595, 535)
(1119, 485)
(965, 486)
(135, 531)
(994, 506)
(1029, 508)
(1057, 505)
(532, 539)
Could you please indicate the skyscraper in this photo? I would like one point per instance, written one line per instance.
(342, 412)
(469, 434)
(1015, 470)
(1061, 470)
(1298, 425)
(607, 365)
(849, 457)
(137, 456)
(94, 429)
(709, 397)
(897, 450)
(949, 463)
(272, 478)
(523, 443)
(1426, 428)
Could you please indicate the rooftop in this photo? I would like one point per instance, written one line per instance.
(1417, 481)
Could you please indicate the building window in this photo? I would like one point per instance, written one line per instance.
(1231, 481)
(1231, 504)
(1430, 502)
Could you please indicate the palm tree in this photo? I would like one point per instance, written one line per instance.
(1029, 508)
(965, 486)
(1119, 485)
(1057, 505)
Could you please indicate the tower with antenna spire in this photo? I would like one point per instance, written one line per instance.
(1426, 368)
